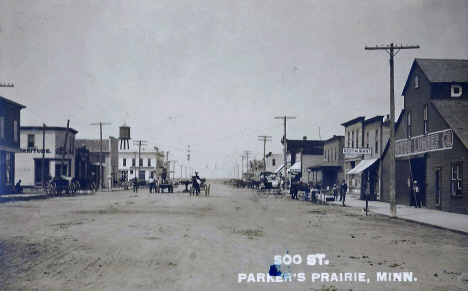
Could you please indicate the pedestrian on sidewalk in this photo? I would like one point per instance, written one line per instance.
(417, 195)
(18, 188)
(343, 188)
(335, 192)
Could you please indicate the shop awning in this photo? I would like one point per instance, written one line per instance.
(364, 164)
(279, 169)
(296, 167)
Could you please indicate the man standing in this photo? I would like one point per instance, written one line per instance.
(344, 188)
(417, 195)
(135, 184)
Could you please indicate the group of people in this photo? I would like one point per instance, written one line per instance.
(343, 189)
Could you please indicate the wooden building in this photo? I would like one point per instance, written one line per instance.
(9, 142)
(431, 138)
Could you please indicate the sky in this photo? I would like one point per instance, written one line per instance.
(214, 74)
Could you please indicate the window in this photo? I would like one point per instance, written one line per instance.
(352, 139)
(149, 162)
(416, 81)
(274, 162)
(348, 139)
(328, 155)
(457, 180)
(141, 162)
(376, 141)
(367, 139)
(2, 127)
(15, 131)
(425, 118)
(142, 175)
(124, 162)
(408, 124)
(357, 138)
(335, 154)
(133, 162)
(31, 140)
(131, 172)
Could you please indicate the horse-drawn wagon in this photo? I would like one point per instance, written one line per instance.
(203, 187)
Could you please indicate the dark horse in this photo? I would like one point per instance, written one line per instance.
(297, 186)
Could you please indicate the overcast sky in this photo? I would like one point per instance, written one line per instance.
(214, 74)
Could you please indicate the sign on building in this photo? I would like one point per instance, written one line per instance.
(436, 141)
(357, 151)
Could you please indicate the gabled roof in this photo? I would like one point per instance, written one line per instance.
(353, 121)
(441, 71)
(11, 103)
(455, 112)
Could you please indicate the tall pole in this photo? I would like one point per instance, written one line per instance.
(285, 118)
(101, 174)
(139, 143)
(247, 166)
(64, 148)
(390, 50)
(264, 138)
(242, 166)
(181, 172)
(43, 156)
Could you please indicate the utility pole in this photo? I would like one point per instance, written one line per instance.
(247, 154)
(285, 118)
(64, 148)
(242, 166)
(390, 50)
(173, 169)
(181, 172)
(139, 143)
(101, 174)
(43, 156)
(264, 138)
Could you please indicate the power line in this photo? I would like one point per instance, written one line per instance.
(390, 50)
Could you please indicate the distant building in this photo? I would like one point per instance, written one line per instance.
(431, 138)
(110, 158)
(274, 162)
(151, 164)
(10, 117)
(33, 144)
(303, 155)
(332, 167)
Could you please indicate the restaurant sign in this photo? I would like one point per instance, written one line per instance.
(357, 151)
(436, 141)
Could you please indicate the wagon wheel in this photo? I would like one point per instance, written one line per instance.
(71, 189)
(52, 189)
(92, 188)
(77, 188)
(279, 193)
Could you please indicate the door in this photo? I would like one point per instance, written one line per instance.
(438, 187)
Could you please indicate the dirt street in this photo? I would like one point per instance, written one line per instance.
(128, 241)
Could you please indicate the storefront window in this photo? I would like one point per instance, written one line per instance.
(457, 179)
(31, 140)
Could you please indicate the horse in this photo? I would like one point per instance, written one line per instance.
(297, 186)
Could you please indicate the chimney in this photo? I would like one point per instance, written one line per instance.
(304, 137)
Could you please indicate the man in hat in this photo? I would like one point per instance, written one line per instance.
(195, 184)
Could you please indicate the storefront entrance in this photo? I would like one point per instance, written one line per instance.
(418, 173)
(38, 171)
